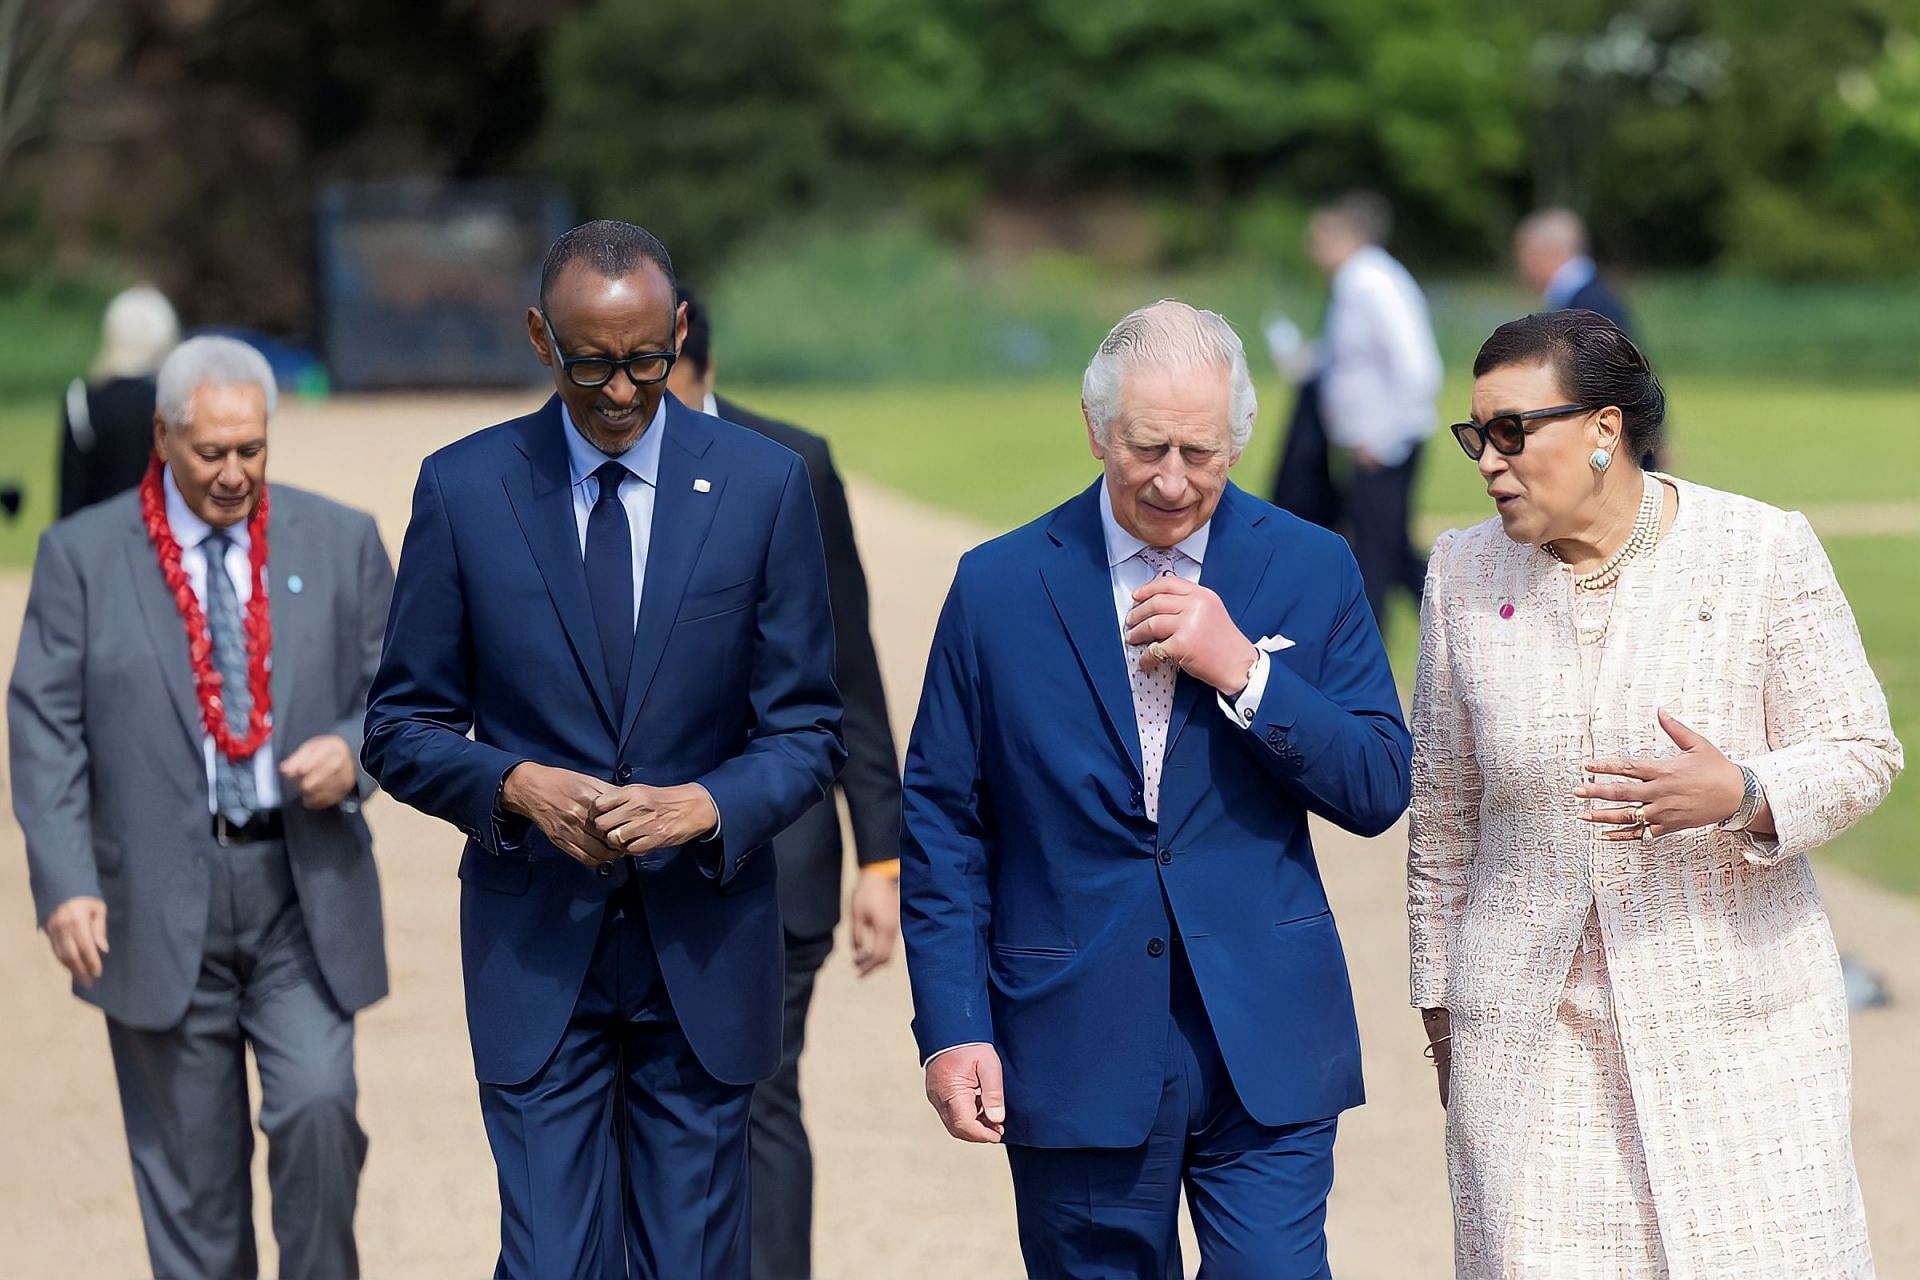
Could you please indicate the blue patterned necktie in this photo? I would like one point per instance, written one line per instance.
(610, 577)
(233, 788)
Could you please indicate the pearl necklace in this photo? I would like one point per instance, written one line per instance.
(1646, 532)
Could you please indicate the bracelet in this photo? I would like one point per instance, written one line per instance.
(1435, 1043)
(1751, 798)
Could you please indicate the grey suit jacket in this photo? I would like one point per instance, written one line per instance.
(109, 771)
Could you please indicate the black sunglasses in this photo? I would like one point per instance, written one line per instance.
(1508, 432)
(644, 368)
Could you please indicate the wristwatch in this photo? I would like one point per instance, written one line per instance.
(1751, 798)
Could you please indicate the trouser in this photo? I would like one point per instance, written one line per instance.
(621, 1156)
(782, 1156)
(1379, 517)
(184, 1093)
(1258, 1193)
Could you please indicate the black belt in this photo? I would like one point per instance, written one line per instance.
(261, 826)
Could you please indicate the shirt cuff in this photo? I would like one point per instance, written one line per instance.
(1243, 709)
(715, 833)
(964, 1044)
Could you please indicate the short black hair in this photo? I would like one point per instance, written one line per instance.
(697, 348)
(1594, 361)
(612, 249)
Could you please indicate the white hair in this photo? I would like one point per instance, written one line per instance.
(1169, 335)
(210, 361)
(1555, 228)
(137, 332)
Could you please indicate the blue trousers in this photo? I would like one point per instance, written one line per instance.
(621, 1157)
(1258, 1194)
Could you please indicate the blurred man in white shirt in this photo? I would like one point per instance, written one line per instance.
(1377, 373)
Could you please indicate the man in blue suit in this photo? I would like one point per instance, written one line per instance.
(1123, 962)
(610, 664)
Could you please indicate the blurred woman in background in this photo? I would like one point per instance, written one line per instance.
(1640, 704)
(107, 425)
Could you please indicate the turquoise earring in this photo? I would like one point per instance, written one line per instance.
(1600, 460)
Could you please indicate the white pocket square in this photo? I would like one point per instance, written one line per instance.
(1272, 644)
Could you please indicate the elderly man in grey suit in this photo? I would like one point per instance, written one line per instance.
(185, 716)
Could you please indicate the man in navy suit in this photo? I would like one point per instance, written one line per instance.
(1550, 250)
(610, 664)
(1123, 962)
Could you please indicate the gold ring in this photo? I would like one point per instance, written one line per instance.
(1159, 652)
(617, 838)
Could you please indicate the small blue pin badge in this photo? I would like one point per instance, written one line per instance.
(294, 584)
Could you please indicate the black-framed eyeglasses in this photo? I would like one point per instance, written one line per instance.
(1508, 432)
(644, 368)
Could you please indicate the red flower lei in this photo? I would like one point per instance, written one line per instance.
(258, 625)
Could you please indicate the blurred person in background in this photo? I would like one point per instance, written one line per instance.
(809, 853)
(1375, 381)
(1551, 251)
(1123, 961)
(106, 437)
(184, 717)
(1640, 706)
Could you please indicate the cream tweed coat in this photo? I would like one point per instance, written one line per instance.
(1726, 988)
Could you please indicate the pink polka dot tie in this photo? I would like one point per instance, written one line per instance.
(1152, 696)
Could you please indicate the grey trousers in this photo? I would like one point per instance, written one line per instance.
(183, 1092)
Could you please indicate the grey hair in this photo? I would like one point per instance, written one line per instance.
(210, 361)
(137, 332)
(1169, 335)
(1557, 228)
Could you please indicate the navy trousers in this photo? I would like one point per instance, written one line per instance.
(1258, 1194)
(621, 1157)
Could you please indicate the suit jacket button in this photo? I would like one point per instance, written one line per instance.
(1166, 856)
(605, 869)
(1133, 799)
(1156, 948)
(623, 775)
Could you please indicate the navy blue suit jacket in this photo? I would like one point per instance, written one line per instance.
(1039, 901)
(731, 686)
(1597, 297)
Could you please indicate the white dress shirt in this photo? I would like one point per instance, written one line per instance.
(1575, 274)
(191, 532)
(1379, 367)
(642, 458)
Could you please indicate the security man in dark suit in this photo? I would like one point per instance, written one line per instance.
(1550, 249)
(809, 852)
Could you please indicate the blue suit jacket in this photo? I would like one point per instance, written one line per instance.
(1039, 901)
(731, 686)
(1596, 296)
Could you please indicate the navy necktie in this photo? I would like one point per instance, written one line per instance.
(610, 577)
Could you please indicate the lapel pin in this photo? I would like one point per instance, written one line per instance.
(703, 486)
(294, 584)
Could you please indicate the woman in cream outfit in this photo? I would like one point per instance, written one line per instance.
(1640, 704)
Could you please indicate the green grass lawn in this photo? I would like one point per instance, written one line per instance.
(28, 435)
(1004, 453)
